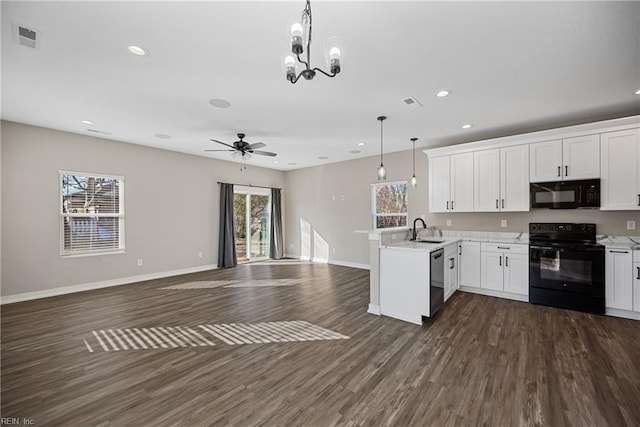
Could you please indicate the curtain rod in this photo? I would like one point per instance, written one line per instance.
(248, 185)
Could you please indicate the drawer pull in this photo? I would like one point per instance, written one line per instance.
(504, 247)
(618, 252)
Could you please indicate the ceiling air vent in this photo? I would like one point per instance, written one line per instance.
(412, 102)
(26, 36)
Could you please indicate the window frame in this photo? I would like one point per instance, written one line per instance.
(374, 206)
(120, 215)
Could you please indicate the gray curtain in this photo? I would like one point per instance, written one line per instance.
(226, 242)
(276, 250)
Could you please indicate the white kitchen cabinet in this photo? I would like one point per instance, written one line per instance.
(486, 183)
(501, 179)
(565, 159)
(514, 178)
(450, 270)
(619, 278)
(469, 264)
(404, 284)
(636, 280)
(620, 167)
(505, 267)
(451, 183)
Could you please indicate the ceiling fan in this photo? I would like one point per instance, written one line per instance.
(243, 148)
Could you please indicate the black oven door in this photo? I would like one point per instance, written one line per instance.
(567, 276)
(571, 268)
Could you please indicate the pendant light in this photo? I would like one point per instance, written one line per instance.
(382, 172)
(414, 181)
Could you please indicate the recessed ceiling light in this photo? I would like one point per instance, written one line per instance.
(276, 161)
(137, 50)
(467, 126)
(87, 122)
(220, 103)
(638, 92)
(162, 136)
(322, 157)
(362, 144)
(354, 151)
(292, 164)
(443, 93)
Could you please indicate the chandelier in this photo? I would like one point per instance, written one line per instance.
(301, 41)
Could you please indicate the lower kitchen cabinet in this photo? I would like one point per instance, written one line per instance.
(636, 280)
(619, 278)
(469, 264)
(450, 270)
(505, 268)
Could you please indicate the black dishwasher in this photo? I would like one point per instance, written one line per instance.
(436, 285)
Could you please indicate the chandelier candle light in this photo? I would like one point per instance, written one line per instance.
(301, 40)
(414, 180)
(382, 172)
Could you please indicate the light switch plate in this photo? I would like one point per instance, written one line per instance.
(631, 225)
(448, 223)
(503, 223)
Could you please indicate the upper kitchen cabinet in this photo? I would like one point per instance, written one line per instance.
(451, 183)
(501, 179)
(565, 159)
(620, 164)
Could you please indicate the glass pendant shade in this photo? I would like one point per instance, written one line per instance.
(382, 173)
(414, 181)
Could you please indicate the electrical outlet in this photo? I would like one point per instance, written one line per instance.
(139, 263)
(503, 223)
(199, 254)
(448, 223)
(631, 225)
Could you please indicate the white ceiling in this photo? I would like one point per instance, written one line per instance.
(512, 67)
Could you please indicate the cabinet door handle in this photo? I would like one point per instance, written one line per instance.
(559, 173)
(497, 207)
(447, 205)
(459, 249)
(451, 263)
(502, 203)
(506, 261)
(638, 273)
(452, 205)
(500, 262)
(638, 199)
(618, 252)
(566, 171)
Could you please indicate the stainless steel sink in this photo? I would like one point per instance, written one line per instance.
(429, 241)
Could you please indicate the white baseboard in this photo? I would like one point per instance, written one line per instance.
(492, 293)
(8, 299)
(331, 261)
(616, 312)
(349, 264)
(374, 309)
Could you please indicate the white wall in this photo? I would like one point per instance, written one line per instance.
(171, 207)
(311, 206)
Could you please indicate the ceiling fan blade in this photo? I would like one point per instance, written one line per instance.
(264, 153)
(219, 150)
(223, 143)
(256, 145)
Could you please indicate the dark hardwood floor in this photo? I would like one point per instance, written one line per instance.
(481, 361)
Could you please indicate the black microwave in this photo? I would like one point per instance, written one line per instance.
(565, 194)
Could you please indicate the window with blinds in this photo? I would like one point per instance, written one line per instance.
(389, 205)
(91, 213)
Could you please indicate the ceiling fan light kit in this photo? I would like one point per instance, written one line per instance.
(242, 150)
(301, 41)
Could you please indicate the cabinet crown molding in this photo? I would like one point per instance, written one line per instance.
(622, 123)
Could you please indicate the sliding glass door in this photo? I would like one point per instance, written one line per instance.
(251, 217)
